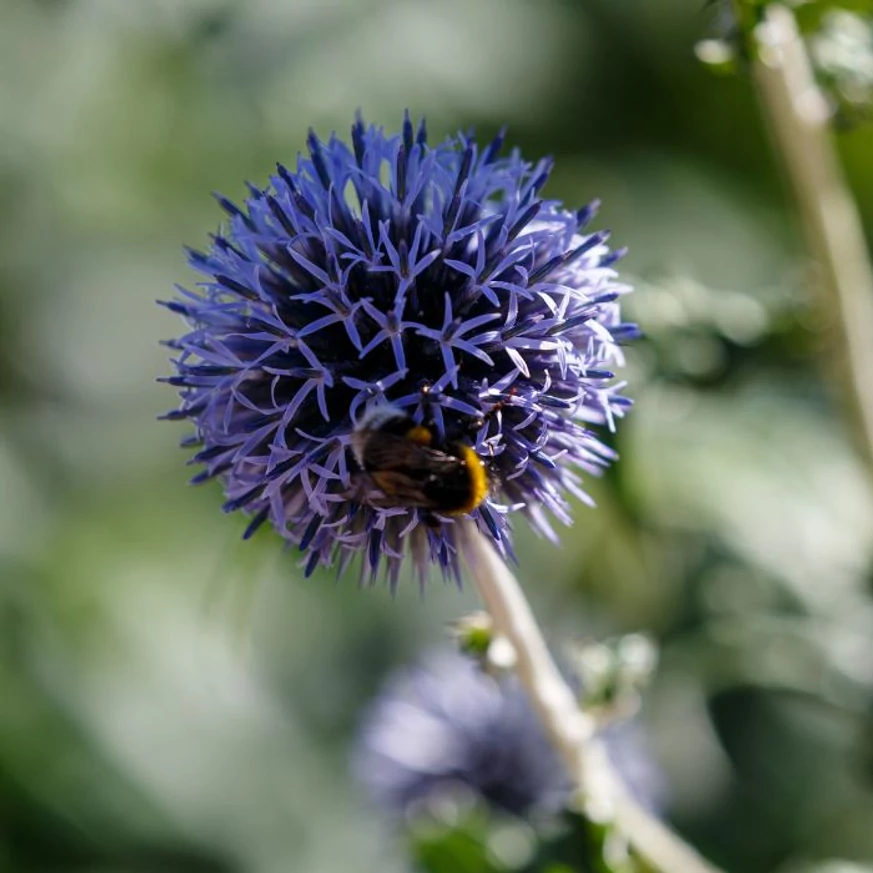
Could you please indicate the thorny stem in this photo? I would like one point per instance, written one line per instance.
(799, 119)
(571, 731)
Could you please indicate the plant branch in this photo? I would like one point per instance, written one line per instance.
(799, 119)
(571, 731)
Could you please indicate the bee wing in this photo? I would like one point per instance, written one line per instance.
(400, 489)
(403, 470)
(387, 451)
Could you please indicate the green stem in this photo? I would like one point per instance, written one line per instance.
(799, 119)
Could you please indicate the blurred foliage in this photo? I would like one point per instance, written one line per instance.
(173, 699)
(475, 845)
(839, 34)
(842, 49)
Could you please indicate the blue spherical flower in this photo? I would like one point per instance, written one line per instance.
(434, 282)
(446, 725)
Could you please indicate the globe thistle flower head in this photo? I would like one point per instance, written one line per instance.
(433, 281)
(446, 727)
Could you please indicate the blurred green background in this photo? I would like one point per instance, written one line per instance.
(172, 699)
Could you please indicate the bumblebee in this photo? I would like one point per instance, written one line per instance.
(406, 462)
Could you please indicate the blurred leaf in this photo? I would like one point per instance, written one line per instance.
(584, 846)
(454, 849)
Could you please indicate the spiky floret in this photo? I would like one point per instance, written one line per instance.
(436, 280)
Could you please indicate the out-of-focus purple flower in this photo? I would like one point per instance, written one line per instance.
(434, 280)
(447, 725)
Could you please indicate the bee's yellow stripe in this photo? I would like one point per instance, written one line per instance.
(478, 480)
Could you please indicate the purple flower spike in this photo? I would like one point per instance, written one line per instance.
(434, 280)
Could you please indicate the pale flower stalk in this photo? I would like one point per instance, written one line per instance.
(799, 119)
(572, 731)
